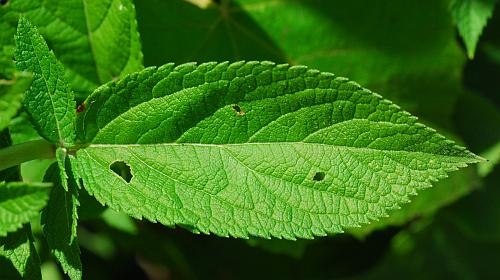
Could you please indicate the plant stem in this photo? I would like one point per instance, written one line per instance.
(17, 154)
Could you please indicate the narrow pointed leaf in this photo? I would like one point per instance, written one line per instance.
(60, 222)
(471, 17)
(20, 202)
(49, 101)
(61, 155)
(254, 148)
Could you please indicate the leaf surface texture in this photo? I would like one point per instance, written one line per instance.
(254, 148)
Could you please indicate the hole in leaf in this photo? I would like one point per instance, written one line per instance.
(122, 169)
(238, 109)
(3, 2)
(319, 176)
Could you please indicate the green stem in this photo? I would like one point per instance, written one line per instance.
(17, 154)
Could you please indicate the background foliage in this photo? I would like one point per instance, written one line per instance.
(431, 57)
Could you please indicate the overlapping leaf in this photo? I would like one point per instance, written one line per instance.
(11, 94)
(255, 148)
(20, 202)
(18, 248)
(95, 40)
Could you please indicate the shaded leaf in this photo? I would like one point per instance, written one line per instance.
(20, 202)
(60, 222)
(11, 95)
(19, 252)
(95, 40)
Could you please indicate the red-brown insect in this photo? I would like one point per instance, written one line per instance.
(83, 106)
(80, 108)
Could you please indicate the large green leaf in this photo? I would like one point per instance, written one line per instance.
(20, 202)
(60, 222)
(49, 101)
(255, 148)
(471, 17)
(95, 40)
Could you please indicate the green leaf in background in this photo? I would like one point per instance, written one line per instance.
(18, 256)
(255, 149)
(471, 17)
(60, 222)
(20, 202)
(49, 101)
(95, 40)
(11, 95)
(412, 57)
(7, 67)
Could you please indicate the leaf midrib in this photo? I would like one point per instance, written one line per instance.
(49, 92)
(473, 159)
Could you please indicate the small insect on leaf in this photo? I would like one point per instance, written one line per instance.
(80, 108)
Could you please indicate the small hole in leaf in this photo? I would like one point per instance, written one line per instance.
(319, 176)
(238, 109)
(3, 2)
(122, 169)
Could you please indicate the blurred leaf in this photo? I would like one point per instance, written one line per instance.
(7, 67)
(410, 57)
(22, 130)
(471, 16)
(493, 156)
(119, 221)
(99, 244)
(11, 95)
(19, 203)
(50, 271)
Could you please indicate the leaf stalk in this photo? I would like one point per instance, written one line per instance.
(17, 154)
